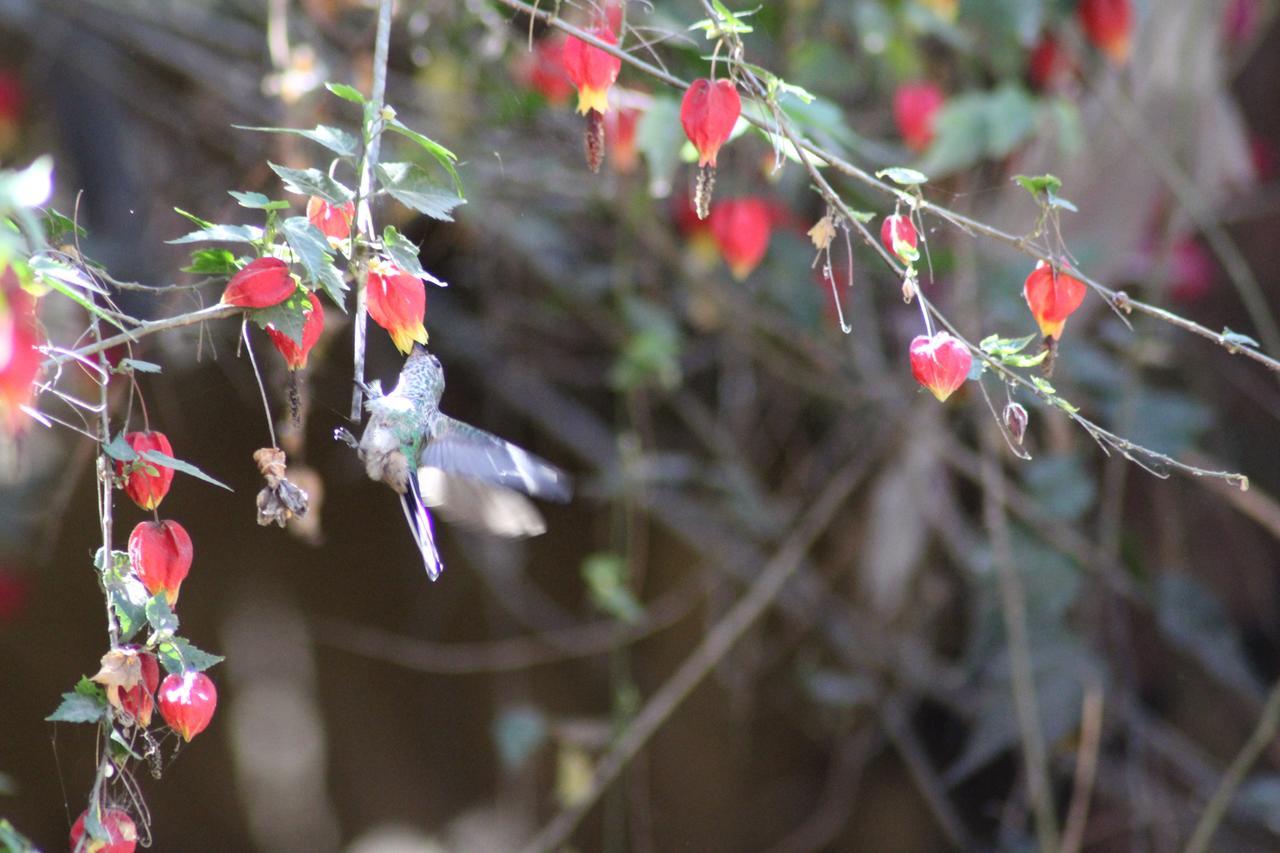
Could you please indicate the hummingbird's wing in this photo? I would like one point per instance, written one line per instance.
(461, 449)
(474, 503)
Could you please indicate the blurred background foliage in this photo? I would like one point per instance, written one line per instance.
(592, 320)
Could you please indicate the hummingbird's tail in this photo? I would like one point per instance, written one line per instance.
(420, 526)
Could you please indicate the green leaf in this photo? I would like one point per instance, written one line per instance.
(86, 704)
(257, 201)
(409, 184)
(13, 841)
(56, 225)
(404, 254)
(604, 574)
(1039, 184)
(122, 747)
(160, 615)
(287, 317)
(222, 234)
(178, 465)
(903, 176)
(1025, 360)
(999, 347)
(177, 655)
(119, 449)
(312, 249)
(137, 365)
(312, 182)
(347, 93)
(659, 138)
(337, 140)
(191, 217)
(1043, 386)
(444, 156)
(980, 125)
(212, 262)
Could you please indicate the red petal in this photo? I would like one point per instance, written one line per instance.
(940, 363)
(261, 284)
(147, 490)
(742, 228)
(708, 113)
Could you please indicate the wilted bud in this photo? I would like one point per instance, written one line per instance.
(940, 363)
(1052, 297)
(397, 303)
(187, 702)
(333, 220)
(295, 354)
(160, 554)
(144, 488)
(1015, 420)
(122, 835)
(741, 228)
(915, 107)
(591, 70)
(261, 284)
(899, 236)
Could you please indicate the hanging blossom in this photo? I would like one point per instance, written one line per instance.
(262, 283)
(1052, 297)
(915, 109)
(295, 353)
(143, 487)
(19, 353)
(397, 303)
(1109, 26)
(333, 220)
(591, 70)
(708, 113)
(940, 363)
(899, 236)
(742, 228)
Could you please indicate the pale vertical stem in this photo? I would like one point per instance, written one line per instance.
(1014, 608)
(377, 99)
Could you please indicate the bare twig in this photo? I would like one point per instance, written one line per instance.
(1263, 735)
(213, 312)
(1086, 769)
(714, 646)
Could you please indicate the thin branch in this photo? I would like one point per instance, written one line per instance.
(213, 312)
(1263, 735)
(1022, 674)
(1086, 769)
(377, 100)
(714, 646)
(1118, 299)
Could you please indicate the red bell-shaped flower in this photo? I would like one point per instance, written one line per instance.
(187, 702)
(940, 363)
(591, 70)
(397, 303)
(160, 554)
(19, 357)
(144, 488)
(333, 220)
(1052, 297)
(742, 227)
(915, 107)
(708, 113)
(262, 283)
(620, 132)
(122, 834)
(899, 236)
(1109, 25)
(295, 354)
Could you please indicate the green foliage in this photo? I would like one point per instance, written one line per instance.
(605, 576)
(311, 247)
(311, 182)
(975, 126)
(288, 317)
(86, 704)
(410, 185)
(177, 655)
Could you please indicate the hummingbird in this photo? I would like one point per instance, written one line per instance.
(469, 476)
